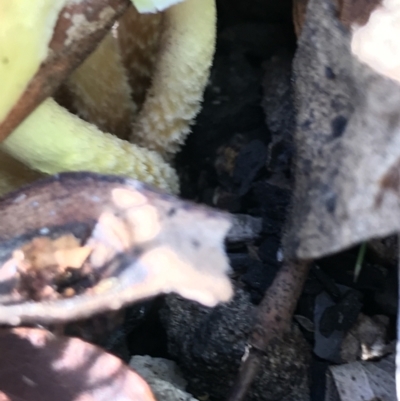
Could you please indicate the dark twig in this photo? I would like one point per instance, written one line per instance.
(274, 319)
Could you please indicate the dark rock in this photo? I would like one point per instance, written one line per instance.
(258, 278)
(332, 320)
(208, 344)
(342, 315)
(256, 275)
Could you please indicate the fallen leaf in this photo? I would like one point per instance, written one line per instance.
(35, 365)
(362, 381)
(144, 243)
(347, 136)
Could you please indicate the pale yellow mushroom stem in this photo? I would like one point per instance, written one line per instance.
(110, 87)
(101, 91)
(52, 140)
(181, 72)
(23, 45)
(177, 58)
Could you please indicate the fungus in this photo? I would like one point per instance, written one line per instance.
(52, 139)
(176, 49)
(26, 28)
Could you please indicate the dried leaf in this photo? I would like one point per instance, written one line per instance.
(37, 366)
(360, 381)
(144, 243)
(347, 139)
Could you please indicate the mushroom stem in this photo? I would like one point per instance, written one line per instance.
(52, 140)
(101, 92)
(31, 36)
(181, 71)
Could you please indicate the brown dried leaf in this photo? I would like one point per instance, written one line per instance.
(144, 243)
(37, 366)
(139, 39)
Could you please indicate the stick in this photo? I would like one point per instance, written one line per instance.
(273, 320)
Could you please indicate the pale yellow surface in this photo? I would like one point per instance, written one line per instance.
(181, 71)
(52, 140)
(26, 27)
(100, 86)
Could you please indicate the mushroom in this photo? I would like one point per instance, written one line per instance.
(52, 139)
(26, 30)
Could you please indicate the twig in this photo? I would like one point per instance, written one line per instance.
(274, 319)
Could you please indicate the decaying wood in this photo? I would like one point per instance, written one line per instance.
(274, 318)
